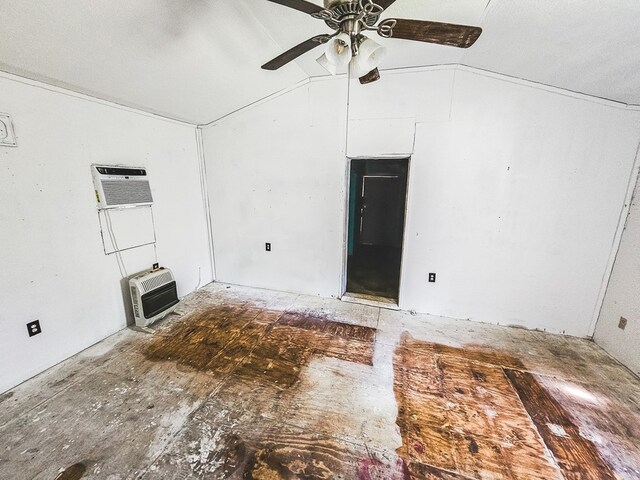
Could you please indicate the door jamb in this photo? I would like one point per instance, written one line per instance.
(403, 256)
(345, 231)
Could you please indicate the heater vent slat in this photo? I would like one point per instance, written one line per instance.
(156, 281)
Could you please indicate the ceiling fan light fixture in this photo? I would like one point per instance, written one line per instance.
(370, 56)
(338, 50)
(330, 67)
(348, 47)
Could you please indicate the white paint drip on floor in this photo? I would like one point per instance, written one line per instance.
(170, 424)
(205, 460)
(558, 430)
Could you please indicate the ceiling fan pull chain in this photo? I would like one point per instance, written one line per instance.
(385, 28)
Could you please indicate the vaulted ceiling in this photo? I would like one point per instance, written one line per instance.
(197, 60)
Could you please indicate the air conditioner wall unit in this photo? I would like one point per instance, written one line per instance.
(120, 186)
(153, 295)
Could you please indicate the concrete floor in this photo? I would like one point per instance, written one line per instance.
(248, 383)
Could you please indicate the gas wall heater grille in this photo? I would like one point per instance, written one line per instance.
(156, 281)
(153, 295)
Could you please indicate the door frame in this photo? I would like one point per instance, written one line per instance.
(345, 223)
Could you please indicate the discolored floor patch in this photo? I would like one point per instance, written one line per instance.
(243, 340)
(469, 413)
(241, 431)
(576, 455)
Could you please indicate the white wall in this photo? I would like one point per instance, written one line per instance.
(276, 173)
(514, 197)
(53, 265)
(622, 298)
(383, 115)
(515, 204)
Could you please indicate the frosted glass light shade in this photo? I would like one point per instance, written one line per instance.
(338, 50)
(370, 56)
(330, 67)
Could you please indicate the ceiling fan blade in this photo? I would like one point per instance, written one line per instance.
(302, 5)
(384, 3)
(295, 52)
(370, 77)
(462, 36)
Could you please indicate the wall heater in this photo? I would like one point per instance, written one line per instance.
(153, 295)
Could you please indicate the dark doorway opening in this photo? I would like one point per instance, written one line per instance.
(377, 201)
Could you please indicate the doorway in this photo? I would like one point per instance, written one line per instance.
(377, 202)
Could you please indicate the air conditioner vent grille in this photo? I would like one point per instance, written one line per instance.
(126, 192)
(156, 281)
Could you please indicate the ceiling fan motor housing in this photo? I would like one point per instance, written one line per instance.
(329, 4)
(338, 11)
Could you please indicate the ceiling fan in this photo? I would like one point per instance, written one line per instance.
(349, 46)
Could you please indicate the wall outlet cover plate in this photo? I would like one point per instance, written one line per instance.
(34, 328)
(622, 324)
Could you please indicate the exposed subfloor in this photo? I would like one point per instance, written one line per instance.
(249, 383)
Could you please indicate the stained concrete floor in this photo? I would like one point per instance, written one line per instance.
(248, 383)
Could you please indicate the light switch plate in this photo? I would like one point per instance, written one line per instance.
(7, 135)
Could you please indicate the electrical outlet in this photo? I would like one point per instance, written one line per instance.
(34, 328)
(622, 324)
(432, 278)
(267, 247)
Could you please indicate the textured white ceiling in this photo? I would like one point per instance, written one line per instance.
(197, 60)
(590, 47)
(194, 60)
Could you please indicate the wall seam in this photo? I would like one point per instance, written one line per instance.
(617, 241)
(430, 68)
(141, 111)
(257, 103)
(550, 88)
(90, 98)
(204, 185)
